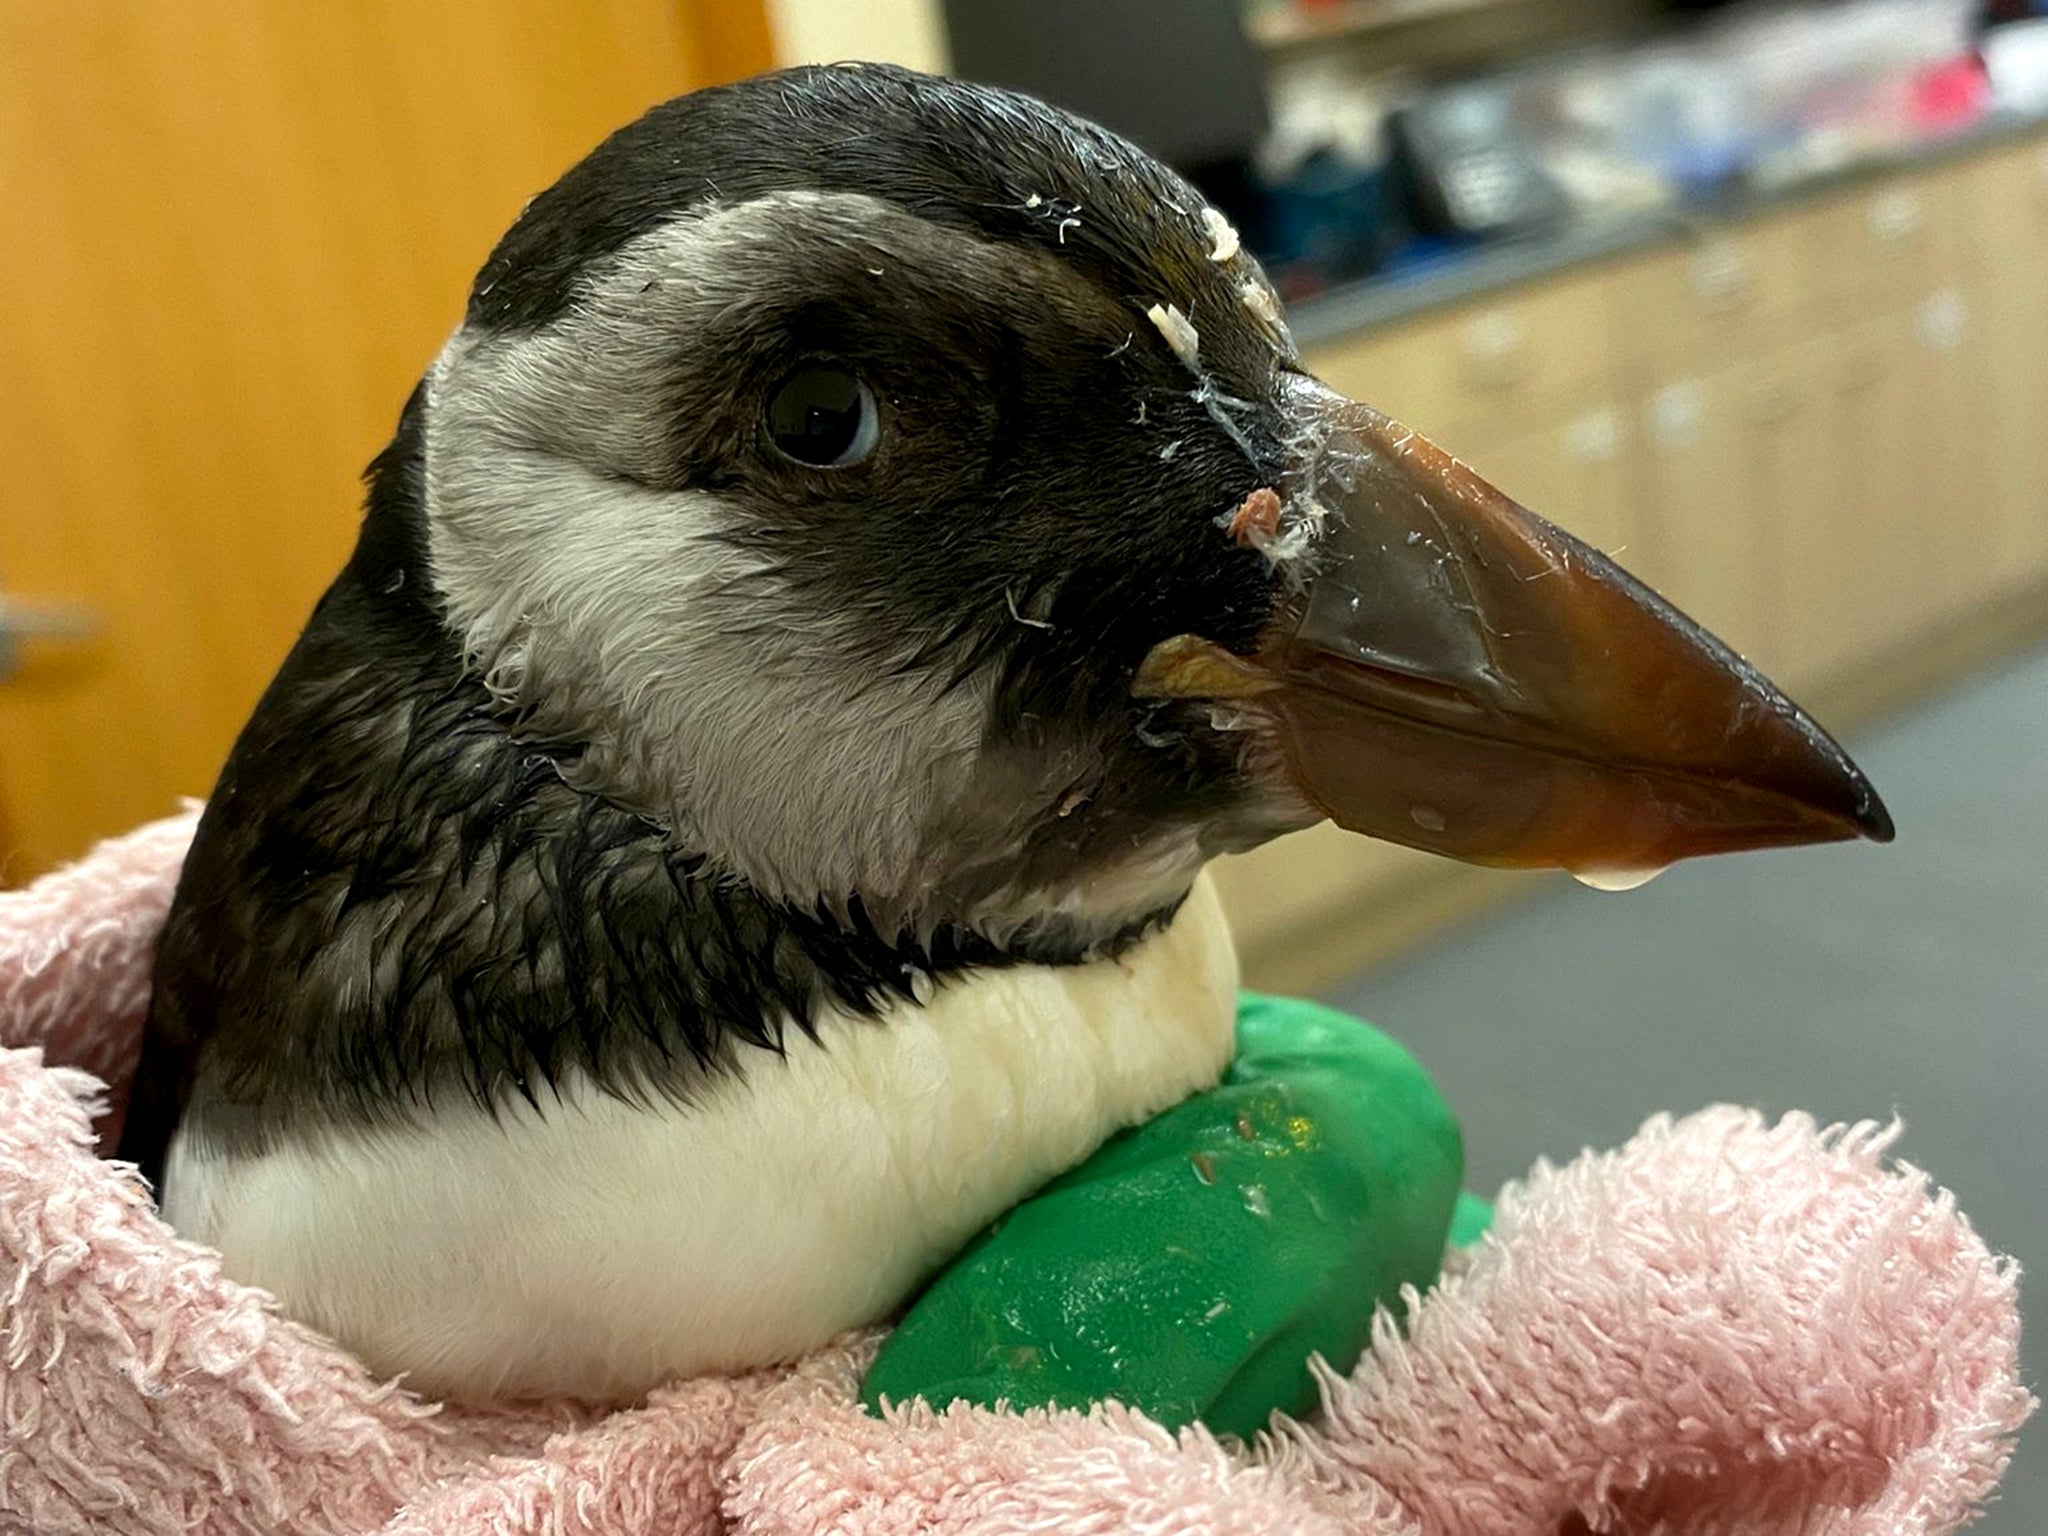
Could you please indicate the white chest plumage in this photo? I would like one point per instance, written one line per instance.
(599, 1248)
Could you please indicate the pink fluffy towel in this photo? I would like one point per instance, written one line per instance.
(1725, 1326)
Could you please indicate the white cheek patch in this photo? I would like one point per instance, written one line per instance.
(780, 738)
(707, 696)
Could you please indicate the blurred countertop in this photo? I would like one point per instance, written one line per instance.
(1386, 298)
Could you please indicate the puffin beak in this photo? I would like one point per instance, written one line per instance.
(1447, 670)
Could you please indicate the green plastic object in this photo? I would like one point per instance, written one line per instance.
(1192, 1266)
(1470, 1221)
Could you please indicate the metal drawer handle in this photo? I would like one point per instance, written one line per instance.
(1594, 438)
(1495, 356)
(1943, 322)
(26, 619)
(1677, 413)
(1720, 277)
(1776, 400)
(1895, 216)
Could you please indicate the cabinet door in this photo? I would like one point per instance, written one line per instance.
(1729, 293)
(1576, 473)
(1527, 356)
(1877, 248)
(2009, 204)
(1867, 563)
(1726, 456)
(1954, 524)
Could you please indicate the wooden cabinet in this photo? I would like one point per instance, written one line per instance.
(1726, 454)
(1880, 247)
(1462, 377)
(1828, 496)
(1723, 296)
(1856, 552)
(1956, 523)
(1892, 541)
(1576, 472)
(2006, 202)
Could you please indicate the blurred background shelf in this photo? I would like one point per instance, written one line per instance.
(1292, 26)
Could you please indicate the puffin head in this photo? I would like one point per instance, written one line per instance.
(906, 493)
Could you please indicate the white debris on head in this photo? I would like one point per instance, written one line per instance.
(1223, 241)
(1223, 409)
(1179, 332)
(1261, 301)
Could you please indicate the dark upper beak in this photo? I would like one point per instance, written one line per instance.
(1450, 671)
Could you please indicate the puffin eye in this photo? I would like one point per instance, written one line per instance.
(823, 416)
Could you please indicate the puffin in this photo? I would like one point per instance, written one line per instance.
(736, 825)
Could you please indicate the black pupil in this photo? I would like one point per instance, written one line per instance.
(815, 415)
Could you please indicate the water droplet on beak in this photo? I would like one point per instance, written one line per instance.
(1616, 879)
